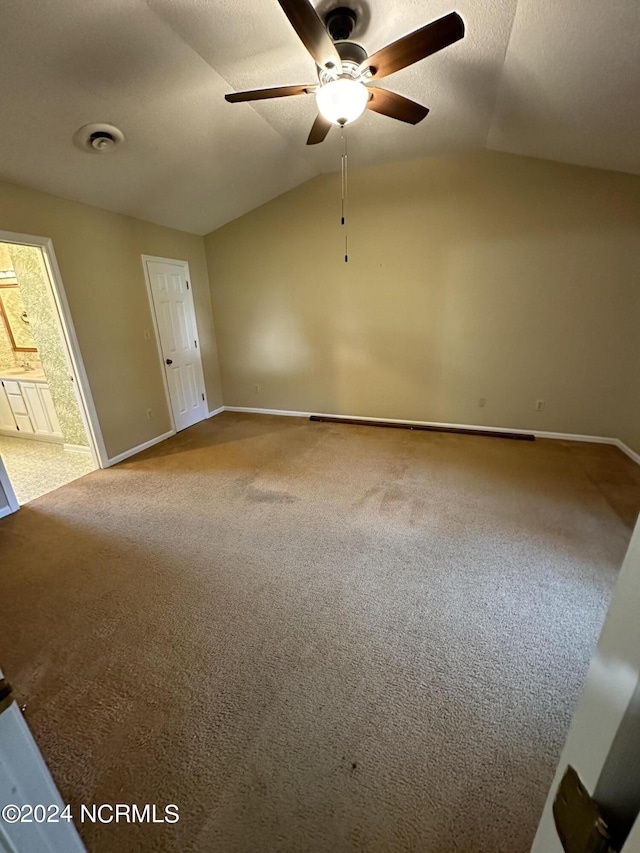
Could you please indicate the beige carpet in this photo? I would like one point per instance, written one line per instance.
(315, 637)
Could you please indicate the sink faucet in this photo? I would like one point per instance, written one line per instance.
(26, 365)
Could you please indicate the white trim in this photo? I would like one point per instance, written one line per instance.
(145, 446)
(69, 339)
(215, 412)
(156, 329)
(287, 414)
(74, 357)
(570, 436)
(76, 448)
(626, 449)
(562, 436)
(7, 488)
(30, 436)
(165, 260)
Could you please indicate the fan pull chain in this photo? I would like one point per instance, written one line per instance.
(344, 193)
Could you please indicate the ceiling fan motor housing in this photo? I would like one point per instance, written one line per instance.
(340, 23)
(349, 51)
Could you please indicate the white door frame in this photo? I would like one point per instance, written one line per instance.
(70, 346)
(156, 329)
(10, 495)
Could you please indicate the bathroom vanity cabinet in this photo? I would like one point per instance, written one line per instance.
(26, 407)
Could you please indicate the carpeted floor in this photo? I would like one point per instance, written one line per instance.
(315, 637)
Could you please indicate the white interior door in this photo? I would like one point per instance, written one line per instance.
(178, 337)
(33, 816)
(604, 739)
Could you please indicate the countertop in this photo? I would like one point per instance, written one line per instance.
(25, 375)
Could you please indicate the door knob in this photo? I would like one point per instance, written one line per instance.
(169, 361)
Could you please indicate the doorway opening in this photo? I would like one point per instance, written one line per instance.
(47, 437)
(174, 320)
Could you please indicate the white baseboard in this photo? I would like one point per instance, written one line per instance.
(77, 448)
(7, 510)
(626, 449)
(113, 460)
(29, 436)
(571, 436)
(286, 414)
(563, 436)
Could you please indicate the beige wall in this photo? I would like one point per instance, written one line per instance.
(488, 275)
(99, 254)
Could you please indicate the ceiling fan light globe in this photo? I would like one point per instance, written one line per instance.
(342, 101)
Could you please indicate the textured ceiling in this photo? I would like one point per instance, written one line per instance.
(570, 86)
(537, 77)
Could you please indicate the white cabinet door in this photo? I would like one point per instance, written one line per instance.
(36, 410)
(18, 406)
(41, 411)
(24, 423)
(49, 408)
(7, 421)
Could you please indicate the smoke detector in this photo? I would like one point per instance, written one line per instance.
(98, 138)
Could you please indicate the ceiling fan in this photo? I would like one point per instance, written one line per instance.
(345, 72)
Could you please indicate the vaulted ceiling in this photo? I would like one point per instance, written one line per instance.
(558, 80)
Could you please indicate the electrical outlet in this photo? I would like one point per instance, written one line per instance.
(257, 389)
(149, 414)
(539, 405)
(482, 402)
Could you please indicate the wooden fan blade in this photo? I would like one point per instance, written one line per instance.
(278, 92)
(395, 106)
(313, 34)
(417, 45)
(319, 130)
